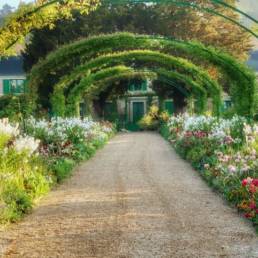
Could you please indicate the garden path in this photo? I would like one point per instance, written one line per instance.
(135, 198)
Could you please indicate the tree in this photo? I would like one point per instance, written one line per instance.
(6, 10)
(42, 14)
(213, 30)
(155, 19)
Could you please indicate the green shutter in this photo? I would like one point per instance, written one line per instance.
(19, 87)
(25, 86)
(144, 86)
(131, 87)
(6, 86)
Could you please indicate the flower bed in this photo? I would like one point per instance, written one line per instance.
(34, 160)
(225, 154)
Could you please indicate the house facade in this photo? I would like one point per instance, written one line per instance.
(128, 109)
(12, 76)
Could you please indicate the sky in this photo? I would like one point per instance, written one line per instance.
(13, 3)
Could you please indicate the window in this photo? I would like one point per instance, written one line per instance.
(138, 86)
(227, 104)
(14, 86)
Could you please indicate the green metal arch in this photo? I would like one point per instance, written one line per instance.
(197, 7)
(178, 3)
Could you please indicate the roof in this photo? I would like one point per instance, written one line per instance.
(253, 61)
(11, 66)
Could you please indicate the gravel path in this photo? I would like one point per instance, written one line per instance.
(135, 198)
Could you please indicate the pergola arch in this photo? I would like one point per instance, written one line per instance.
(115, 73)
(171, 78)
(243, 79)
(150, 58)
(94, 83)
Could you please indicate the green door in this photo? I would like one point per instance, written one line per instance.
(138, 111)
(169, 106)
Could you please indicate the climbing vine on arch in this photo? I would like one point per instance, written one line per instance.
(94, 84)
(241, 78)
(152, 60)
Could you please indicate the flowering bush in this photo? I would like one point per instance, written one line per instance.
(31, 161)
(225, 151)
(23, 175)
(65, 141)
(153, 119)
(63, 137)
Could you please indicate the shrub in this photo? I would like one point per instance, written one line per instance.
(30, 164)
(153, 119)
(16, 107)
(225, 151)
(23, 176)
(17, 202)
(62, 168)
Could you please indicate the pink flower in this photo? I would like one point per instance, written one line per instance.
(252, 188)
(232, 169)
(252, 205)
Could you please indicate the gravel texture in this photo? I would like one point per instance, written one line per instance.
(135, 198)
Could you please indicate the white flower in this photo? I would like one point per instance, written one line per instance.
(7, 129)
(27, 143)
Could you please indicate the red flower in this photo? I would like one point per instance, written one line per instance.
(248, 215)
(255, 182)
(244, 182)
(252, 205)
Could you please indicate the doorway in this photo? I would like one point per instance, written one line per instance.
(138, 111)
